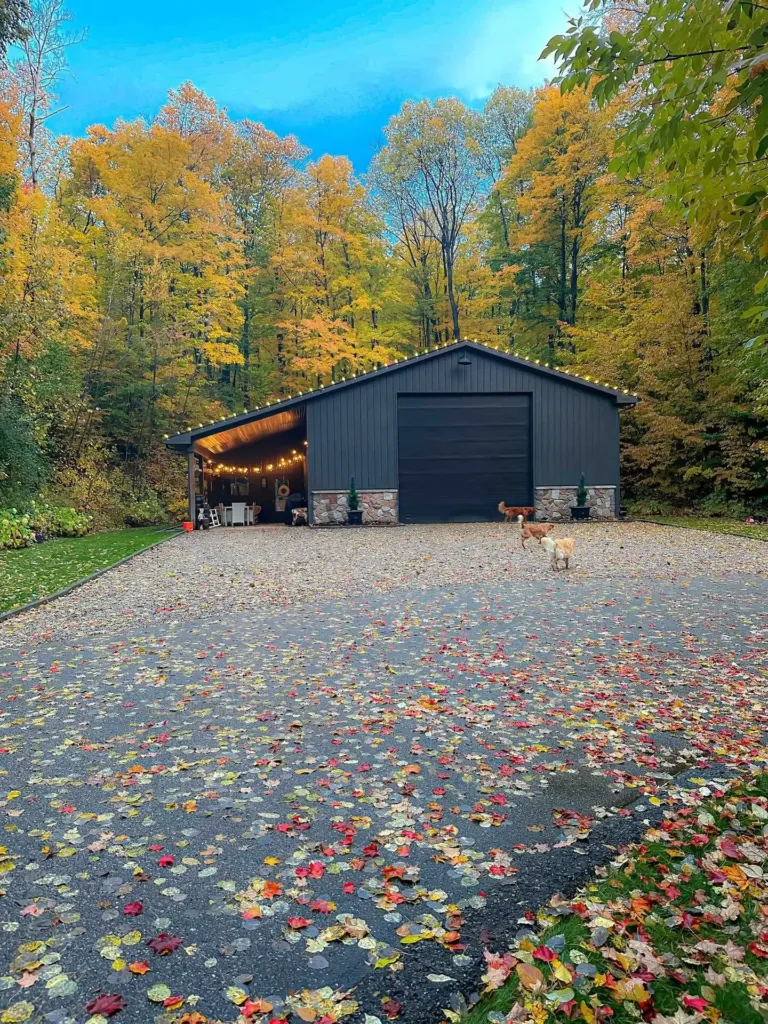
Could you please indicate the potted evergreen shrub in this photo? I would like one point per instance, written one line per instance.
(354, 512)
(581, 509)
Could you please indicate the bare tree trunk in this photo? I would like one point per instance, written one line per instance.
(503, 219)
(561, 284)
(448, 261)
(574, 278)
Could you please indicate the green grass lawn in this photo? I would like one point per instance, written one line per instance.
(675, 932)
(35, 572)
(732, 526)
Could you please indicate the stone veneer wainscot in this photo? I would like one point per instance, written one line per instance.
(554, 503)
(379, 507)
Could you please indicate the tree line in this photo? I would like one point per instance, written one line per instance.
(168, 271)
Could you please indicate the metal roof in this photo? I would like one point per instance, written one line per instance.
(197, 435)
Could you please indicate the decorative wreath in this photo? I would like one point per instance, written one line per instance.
(283, 491)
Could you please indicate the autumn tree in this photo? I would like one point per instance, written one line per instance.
(155, 230)
(261, 178)
(433, 168)
(552, 182)
(44, 43)
(334, 283)
(507, 116)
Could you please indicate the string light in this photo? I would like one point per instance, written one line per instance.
(284, 462)
(436, 348)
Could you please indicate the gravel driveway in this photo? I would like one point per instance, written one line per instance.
(253, 770)
(250, 570)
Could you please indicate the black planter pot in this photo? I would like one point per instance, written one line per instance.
(355, 516)
(580, 511)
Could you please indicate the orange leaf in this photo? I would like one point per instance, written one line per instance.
(530, 976)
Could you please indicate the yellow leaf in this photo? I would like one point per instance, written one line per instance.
(562, 973)
(587, 1013)
(17, 1013)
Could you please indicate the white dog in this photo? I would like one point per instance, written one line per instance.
(560, 549)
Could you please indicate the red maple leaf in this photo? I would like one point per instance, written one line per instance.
(167, 860)
(106, 1005)
(133, 909)
(316, 869)
(163, 944)
(321, 906)
(545, 953)
(695, 1003)
(298, 922)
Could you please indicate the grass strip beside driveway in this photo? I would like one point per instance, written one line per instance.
(734, 527)
(39, 571)
(675, 932)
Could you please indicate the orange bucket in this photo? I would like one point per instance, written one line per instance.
(189, 527)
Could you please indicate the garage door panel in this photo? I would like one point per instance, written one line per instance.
(459, 455)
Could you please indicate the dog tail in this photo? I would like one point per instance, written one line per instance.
(502, 507)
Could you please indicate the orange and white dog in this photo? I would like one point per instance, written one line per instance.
(513, 512)
(536, 530)
(560, 549)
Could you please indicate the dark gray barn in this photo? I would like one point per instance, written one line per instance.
(441, 437)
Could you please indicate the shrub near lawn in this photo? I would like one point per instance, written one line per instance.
(21, 529)
(675, 932)
(15, 529)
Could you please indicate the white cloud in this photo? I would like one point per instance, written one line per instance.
(504, 47)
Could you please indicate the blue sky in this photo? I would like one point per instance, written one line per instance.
(331, 73)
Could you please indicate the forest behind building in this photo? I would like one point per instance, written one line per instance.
(168, 271)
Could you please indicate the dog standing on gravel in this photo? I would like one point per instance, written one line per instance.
(536, 530)
(513, 512)
(560, 549)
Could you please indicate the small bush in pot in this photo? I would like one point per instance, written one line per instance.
(581, 509)
(354, 512)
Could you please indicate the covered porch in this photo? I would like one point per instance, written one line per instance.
(260, 463)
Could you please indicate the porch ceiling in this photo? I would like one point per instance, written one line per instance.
(249, 433)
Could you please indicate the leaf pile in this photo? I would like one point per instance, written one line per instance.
(676, 932)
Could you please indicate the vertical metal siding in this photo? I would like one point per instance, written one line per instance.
(354, 431)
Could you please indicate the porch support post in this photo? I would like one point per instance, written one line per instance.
(191, 483)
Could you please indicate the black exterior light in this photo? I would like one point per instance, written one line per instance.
(465, 360)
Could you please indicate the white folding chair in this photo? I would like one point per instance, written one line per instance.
(215, 517)
(238, 513)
